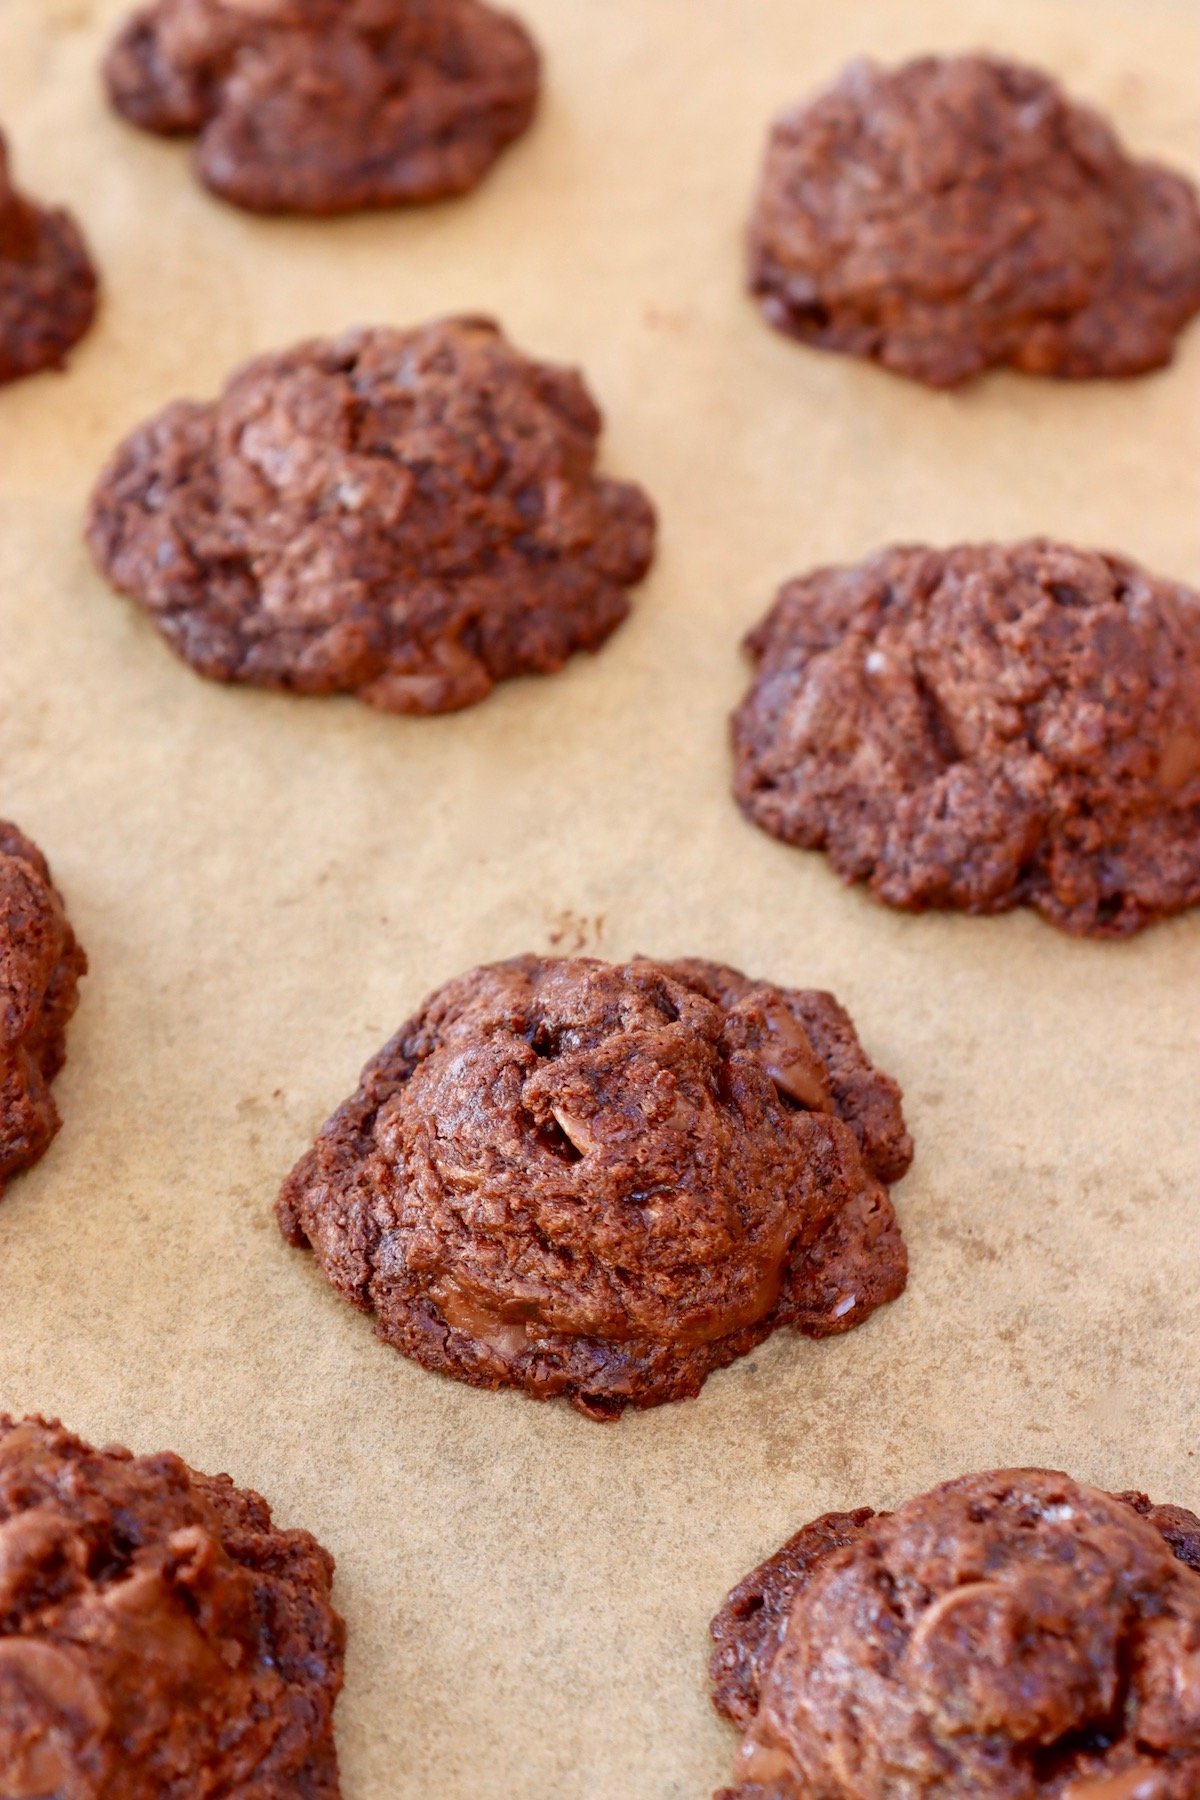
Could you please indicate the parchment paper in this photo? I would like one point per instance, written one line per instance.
(267, 886)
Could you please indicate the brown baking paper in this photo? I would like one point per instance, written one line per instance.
(267, 886)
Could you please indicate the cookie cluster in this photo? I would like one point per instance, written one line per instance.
(604, 1182)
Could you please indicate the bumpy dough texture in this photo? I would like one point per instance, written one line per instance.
(40, 967)
(411, 516)
(984, 727)
(160, 1639)
(606, 1181)
(960, 212)
(47, 283)
(1013, 1636)
(328, 106)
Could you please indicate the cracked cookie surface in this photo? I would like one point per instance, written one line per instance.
(160, 1638)
(328, 106)
(1012, 1635)
(410, 516)
(984, 727)
(47, 282)
(40, 967)
(961, 212)
(606, 1181)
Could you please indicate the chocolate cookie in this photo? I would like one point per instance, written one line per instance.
(959, 212)
(40, 967)
(160, 1639)
(410, 516)
(605, 1182)
(329, 106)
(47, 282)
(985, 727)
(1012, 1636)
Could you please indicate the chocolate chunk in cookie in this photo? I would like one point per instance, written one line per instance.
(985, 727)
(47, 282)
(160, 1638)
(605, 1182)
(40, 967)
(1012, 1636)
(960, 212)
(329, 106)
(409, 516)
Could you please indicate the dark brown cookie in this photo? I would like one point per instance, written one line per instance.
(410, 516)
(985, 727)
(40, 967)
(47, 283)
(1012, 1636)
(605, 1182)
(329, 106)
(960, 212)
(160, 1639)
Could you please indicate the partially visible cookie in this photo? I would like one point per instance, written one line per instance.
(411, 516)
(329, 106)
(40, 967)
(960, 212)
(984, 727)
(160, 1638)
(606, 1181)
(1011, 1636)
(47, 282)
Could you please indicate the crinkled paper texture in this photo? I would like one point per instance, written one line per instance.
(266, 887)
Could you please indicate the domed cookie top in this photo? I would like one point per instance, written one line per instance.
(40, 967)
(47, 282)
(959, 212)
(606, 1181)
(983, 727)
(327, 106)
(159, 1637)
(410, 516)
(1012, 1636)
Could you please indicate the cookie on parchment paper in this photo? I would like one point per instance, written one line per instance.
(40, 966)
(959, 212)
(160, 1637)
(410, 516)
(47, 282)
(604, 1182)
(984, 727)
(1012, 1635)
(329, 106)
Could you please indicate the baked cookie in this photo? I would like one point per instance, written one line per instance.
(329, 106)
(1012, 1636)
(409, 516)
(47, 282)
(160, 1639)
(40, 967)
(961, 211)
(984, 727)
(606, 1181)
